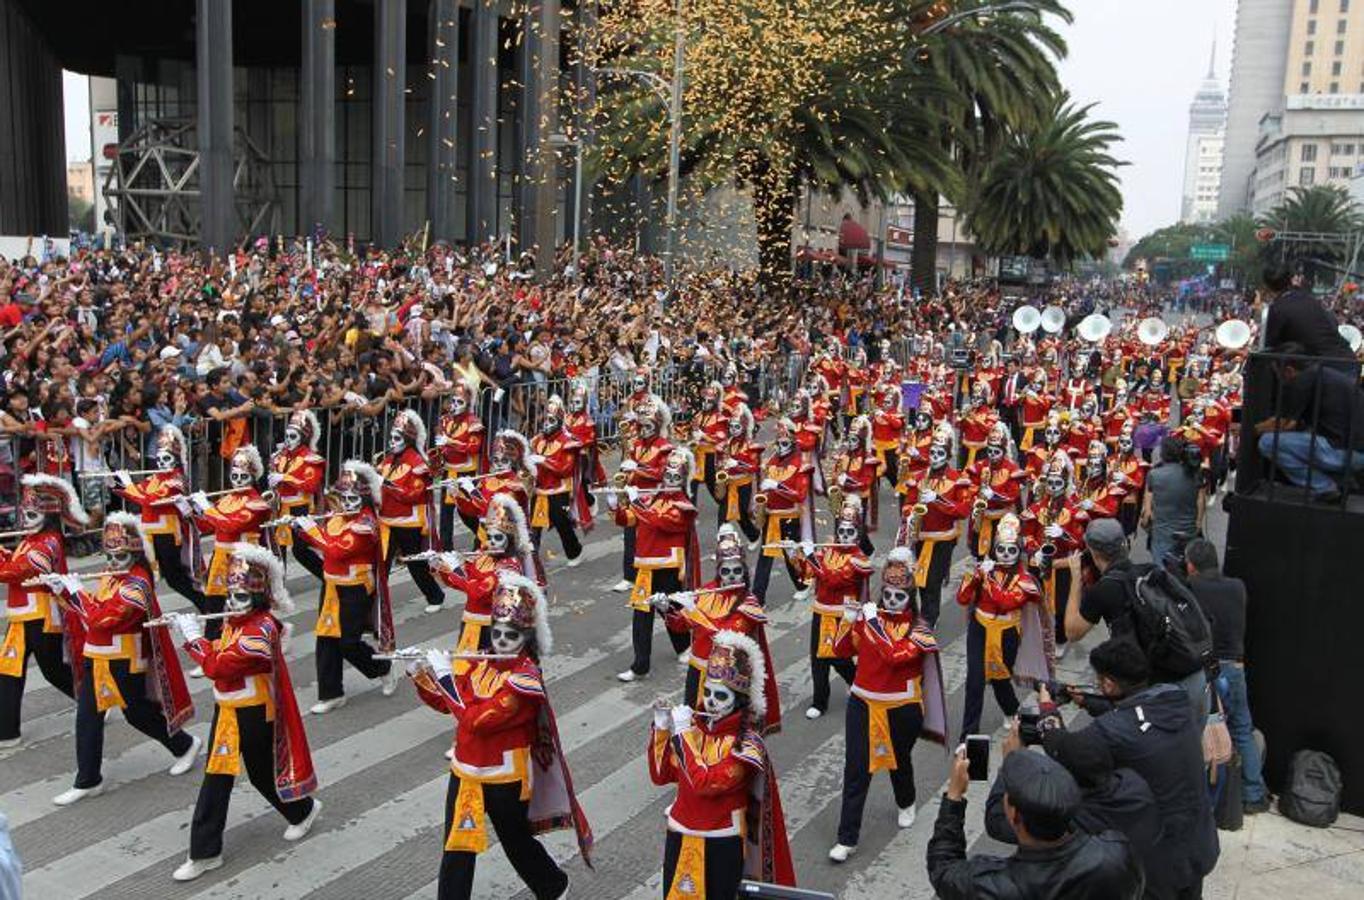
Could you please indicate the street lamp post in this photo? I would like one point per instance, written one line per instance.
(558, 139)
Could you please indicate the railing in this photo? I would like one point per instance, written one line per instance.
(1324, 398)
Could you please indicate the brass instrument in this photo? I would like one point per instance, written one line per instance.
(618, 480)
(83, 576)
(165, 621)
(916, 520)
(978, 512)
(835, 498)
(1047, 554)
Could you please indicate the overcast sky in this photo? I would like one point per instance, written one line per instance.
(1142, 60)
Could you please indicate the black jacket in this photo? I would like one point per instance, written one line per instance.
(1154, 733)
(1085, 867)
(1298, 316)
(1125, 805)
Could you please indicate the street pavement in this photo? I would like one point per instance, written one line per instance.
(382, 772)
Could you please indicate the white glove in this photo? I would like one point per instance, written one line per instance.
(686, 600)
(986, 566)
(123, 478)
(53, 582)
(629, 466)
(465, 484)
(1120, 478)
(305, 523)
(189, 627)
(71, 584)
(1036, 561)
(767, 485)
(274, 479)
(850, 612)
(631, 493)
(612, 500)
(662, 718)
(1086, 505)
(445, 562)
(441, 440)
(439, 662)
(912, 453)
(986, 493)
(681, 718)
(199, 500)
(536, 459)
(807, 548)
(414, 666)
(869, 611)
(1053, 531)
(927, 496)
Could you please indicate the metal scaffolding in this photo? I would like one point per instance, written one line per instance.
(153, 187)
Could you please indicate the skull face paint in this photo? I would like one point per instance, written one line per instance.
(784, 445)
(937, 456)
(506, 640)
(894, 599)
(639, 384)
(293, 438)
(731, 573)
(350, 500)
(458, 405)
(718, 700)
(396, 441)
(736, 427)
(923, 421)
(1052, 435)
(1006, 554)
(648, 428)
(552, 423)
(237, 602)
(577, 403)
(1125, 443)
(496, 541)
(995, 452)
(239, 477)
(1056, 485)
(845, 532)
(166, 460)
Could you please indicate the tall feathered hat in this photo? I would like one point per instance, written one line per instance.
(681, 460)
(1008, 530)
(247, 457)
(505, 515)
(172, 440)
(519, 601)
(737, 662)
(745, 416)
(729, 544)
(411, 426)
(54, 496)
(255, 570)
(514, 446)
(898, 571)
(122, 533)
(305, 422)
(860, 429)
(361, 478)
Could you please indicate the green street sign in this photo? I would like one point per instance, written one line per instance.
(1209, 252)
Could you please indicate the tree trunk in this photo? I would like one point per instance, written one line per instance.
(923, 263)
(774, 212)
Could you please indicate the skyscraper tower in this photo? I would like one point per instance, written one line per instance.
(1259, 59)
(1203, 149)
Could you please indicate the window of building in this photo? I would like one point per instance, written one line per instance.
(1309, 153)
(1340, 26)
(1335, 68)
(1342, 149)
(1308, 50)
(1302, 88)
(1312, 7)
(1339, 48)
(1344, 6)
(1335, 87)
(1306, 69)
(1311, 26)
(1307, 175)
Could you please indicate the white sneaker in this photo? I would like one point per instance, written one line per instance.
(906, 817)
(322, 707)
(388, 682)
(7, 743)
(198, 672)
(840, 852)
(191, 869)
(1061, 651)
(813, 713)
(68, 797)
(185, 761)
(803, 594)
(300, 831)
(622, 586)
(434, 607)
(628, 676)
(450, 754)
(753, 545)
(575, 561)
(684, 657)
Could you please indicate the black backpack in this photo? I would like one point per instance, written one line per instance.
(1312, 794)
(1168, 624)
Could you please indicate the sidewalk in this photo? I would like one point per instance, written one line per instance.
(1273, 858)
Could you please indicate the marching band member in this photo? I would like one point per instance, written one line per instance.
(1120, 416)
(507, 766)
(584, 430)
(897, 696)
(887, 429)
(1040, 455)
(785, 490)
(1156, 399)
(856, 473)
(296, 476)
(710, 432)
(639, 397)
(233, 517)
(174, 538)
(1003, 627)
(1085, 428)
(723, 604)
(510, 472)
(809, 427)
(1129, 474)
(405, 519)
(742, 458)
(1098, 496)
(914, 448)
(560, 496)
(256, 724)
(725, 823)
(666, 550)
(646, 458)
(946, 495)
(977, 421)
(998, 482)
(733, 395)
(459, 449)
(1055, 522)
(35, 623)
(840, 574)
(120, 663)
(507, 547)
(354, 586)
(1036, 410)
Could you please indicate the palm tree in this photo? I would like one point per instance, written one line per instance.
(1050, 191)
(1324, 216)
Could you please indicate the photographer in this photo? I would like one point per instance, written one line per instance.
(1151, 730)
(1176, 498)
(1055, 859)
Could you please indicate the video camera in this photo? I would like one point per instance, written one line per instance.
(1087, 696)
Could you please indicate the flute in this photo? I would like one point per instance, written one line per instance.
(165, 621)
(795, 545)
(427, 555)
(454, 482)
(642, 492)
(83, 576)
(171, 501)
(22, 532)
(420, 653)
(93, 475)
(289, 520)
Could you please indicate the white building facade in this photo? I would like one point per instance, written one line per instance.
(1203, 151)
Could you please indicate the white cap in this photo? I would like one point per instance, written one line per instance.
(170, 352)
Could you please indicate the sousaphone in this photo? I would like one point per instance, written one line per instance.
(1151, 331)
(1232, 334)
(1353, 336)
(1053, 319)
(1027, 319)
(1094, 328)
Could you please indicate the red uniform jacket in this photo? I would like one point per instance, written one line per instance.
(890, 657)
(496, 704)
(663, 525)
(37, 554)
(476, 576)
(476, 505)
(303, 471)
(345, 542)
(998, 593)
(407, 489)
(952, 504)
(650, 458)
(712, 764)
(1046, 512)
(792, 475)
(459, 445)
(157, 518)
(236, 517)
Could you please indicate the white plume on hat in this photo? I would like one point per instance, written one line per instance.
(519, 439)
(74, 510)
(253, 460)
(175, 434)
(544, 639)
(514, 512)
(418, 426)
(367, 474)
(900, 555)
(128, 520)
(314, 428)
(262, 557)
(757, 695)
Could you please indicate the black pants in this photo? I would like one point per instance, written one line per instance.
(746, 523)
(140, 712)
(642, 624)
(790, 531)
(627, 559)
(355, 603)
(181, 581)
(724, 865)
(975, 676)
(905, 724)
(1062, 601)
(508, 814)
(562, 522)
(447, 525)
(48, 649)
(257, 750)
(405, 541)
(308, 558)
(892, 472)
(939, 568)
(819, 669)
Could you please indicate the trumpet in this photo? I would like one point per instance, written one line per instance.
(94, 475)
(83, 576)
(1047, 554)
(165, 621)
(978, 512)
(916, 520)
(420, 653)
